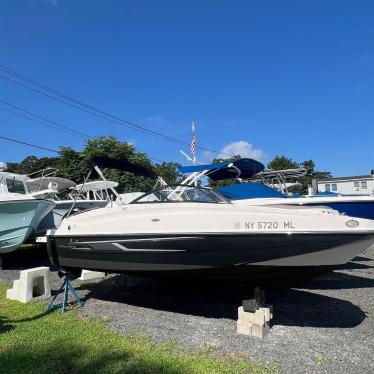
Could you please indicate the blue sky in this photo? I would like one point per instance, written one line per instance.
(286, 77)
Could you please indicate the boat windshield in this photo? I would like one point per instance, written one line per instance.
(15, 186)
(181, 193)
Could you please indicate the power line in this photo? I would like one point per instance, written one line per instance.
(54, 125)
(88, 108)
(29, 144)
(77, 107)
(73, 132)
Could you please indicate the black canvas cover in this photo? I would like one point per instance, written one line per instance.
(124, 165)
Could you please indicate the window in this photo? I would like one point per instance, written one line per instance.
(15, 186)
(364, 185)
(334, 187)
(327, 187)
(356, 185)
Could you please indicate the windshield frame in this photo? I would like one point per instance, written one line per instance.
(180, 189)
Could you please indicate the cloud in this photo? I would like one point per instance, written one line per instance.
(243, 149)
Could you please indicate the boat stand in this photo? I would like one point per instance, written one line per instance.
(254, 316)
(64, 289)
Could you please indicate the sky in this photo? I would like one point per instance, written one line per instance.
(259, 78)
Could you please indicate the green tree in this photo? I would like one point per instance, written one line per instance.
(311, 174)
(282, 162)
(74, 165)
(169, 172)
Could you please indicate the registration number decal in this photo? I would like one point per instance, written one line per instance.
(269, 225)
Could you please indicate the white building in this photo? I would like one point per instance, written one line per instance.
(356, 185)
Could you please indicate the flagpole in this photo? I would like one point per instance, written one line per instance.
(193, 144)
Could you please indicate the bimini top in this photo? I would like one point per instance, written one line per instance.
(124, 165)
(249, 190)
(43, 183)
(95, 186)
(244, 168)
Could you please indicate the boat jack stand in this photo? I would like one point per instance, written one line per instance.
(64, 289)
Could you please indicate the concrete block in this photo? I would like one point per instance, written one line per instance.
(268, 311)
(89, 275)
(34, 284)
(260, 316)
(244, 327)
(259, 331)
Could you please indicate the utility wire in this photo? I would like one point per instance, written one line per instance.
(29, 144)
(54, 124)
(39, 119)
(90, 109)
(72, 105)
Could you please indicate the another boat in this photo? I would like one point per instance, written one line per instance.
(20, 211)
(91, 195)
(189, 231)
(271, 188)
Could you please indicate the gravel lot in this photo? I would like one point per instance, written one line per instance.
(324, 326)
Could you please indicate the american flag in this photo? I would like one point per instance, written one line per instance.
(193, 141)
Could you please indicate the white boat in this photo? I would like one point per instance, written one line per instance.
(81, 197)
(271, 188)
(20, 211)
(188, 231)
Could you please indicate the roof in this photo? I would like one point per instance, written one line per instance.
(345, 178)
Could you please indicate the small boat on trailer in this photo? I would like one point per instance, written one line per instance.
(189, 231)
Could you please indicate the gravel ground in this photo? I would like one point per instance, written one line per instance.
(325, 325)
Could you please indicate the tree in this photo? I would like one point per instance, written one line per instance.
(281, 163)
(75, 166)
(169, 172)
(311, 174)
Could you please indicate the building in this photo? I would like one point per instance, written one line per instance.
(356, 185)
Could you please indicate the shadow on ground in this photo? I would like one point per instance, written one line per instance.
(293, 307)
(5, 325)
(25, 258)
(70, 357)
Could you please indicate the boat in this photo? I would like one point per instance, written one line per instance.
(20, 210)
(194, 232)
(270, 187)
(81, 197)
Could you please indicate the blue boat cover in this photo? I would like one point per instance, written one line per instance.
(248, 168)
(249, 191)
(194, 168)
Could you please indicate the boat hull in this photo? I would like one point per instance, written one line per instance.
(355, 206)
(237, 256)
(19, 219)
(353, 209)
(54, 218)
